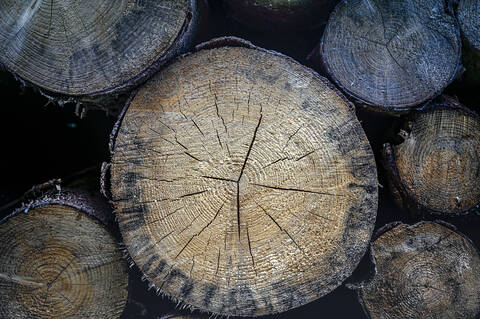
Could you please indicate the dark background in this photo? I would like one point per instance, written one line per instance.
(41, 141)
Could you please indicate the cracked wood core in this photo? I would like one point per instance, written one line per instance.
(392, 54)
(438, 164)
(469, 19)
(424, 271)
(243, 184)
(83, 47)
(58, 262)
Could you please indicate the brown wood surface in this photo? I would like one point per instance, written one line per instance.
(243, 183)
(424, 271)
(436, 168)
(392, 55)
(58, 261)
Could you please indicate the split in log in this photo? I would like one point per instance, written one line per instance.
(59, 261)
(90, 48)
(269, 14)
(468, 13)
(436, 168)
(243, 183)
(391, 55)
(424, 271)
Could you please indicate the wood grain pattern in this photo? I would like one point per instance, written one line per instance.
(88, 47)
(437, 166)
(424, 271)
(392, 55)
(243, 183)
(58, 262)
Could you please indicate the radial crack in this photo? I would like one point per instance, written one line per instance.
(250, 250)
(281, 228)
(201, 231)
(297, 190)
(241, 172)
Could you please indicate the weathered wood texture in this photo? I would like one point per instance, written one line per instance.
(243, 183)
(392, 55)
(468, 13)
(59, 261)
(436, 168)
(271, 14)
(424, 271)
(91, 48)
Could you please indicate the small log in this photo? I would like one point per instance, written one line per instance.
(468, 13)
(58, 260)
(271, 14)
(242, 181)
(425, 271)
(391, 55)
(83, 51)
(435, 169)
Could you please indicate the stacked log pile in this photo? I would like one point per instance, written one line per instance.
(237, 181)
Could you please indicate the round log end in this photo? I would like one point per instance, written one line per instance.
(393, 55)
(436, 167)
(58, 261)
(424, 271)
(91, 48)
(243, 183)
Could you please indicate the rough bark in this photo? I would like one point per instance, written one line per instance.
(392, 55)
(92, 51)
(436, 168)
(271, 14)
(424, 271)
(60, 261)
(243, 182)
(468, 13)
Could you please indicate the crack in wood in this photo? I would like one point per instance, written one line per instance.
(242, 170)
(195, 158)
(198, 128)
(201, 231)
(296, 190)
(281, 228)
(250, 250)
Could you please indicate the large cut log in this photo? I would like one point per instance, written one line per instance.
(243, 183)
(58, 260)
(89, 48)
(392, 55)
(436, 167)
(424, 271)
(468, 13)
(271, 14)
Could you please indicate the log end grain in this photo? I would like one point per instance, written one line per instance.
(427, 270)
(91, 48)
(391, 55)
(57, 262)
(435, 169)
(243, 183)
